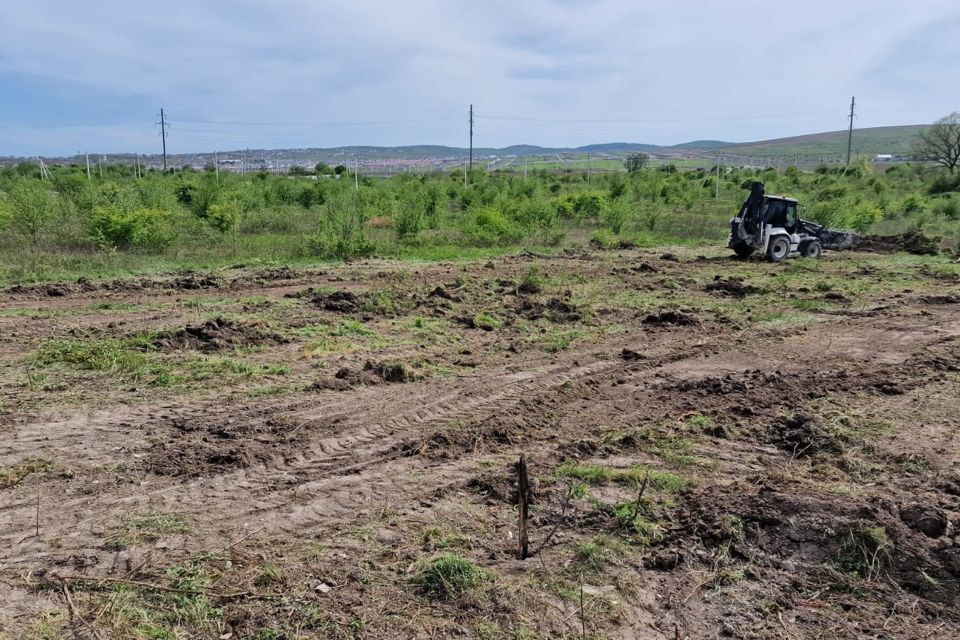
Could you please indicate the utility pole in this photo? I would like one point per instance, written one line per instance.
(719, 160)
(216, 166)
(88, 165)
(163, 135)
(356, 173)
(471, 137)
(853, 102)
(100, 165)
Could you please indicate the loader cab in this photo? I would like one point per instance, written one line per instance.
(781, 212)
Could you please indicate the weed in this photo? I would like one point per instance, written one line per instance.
(594, 555)
(49, 625)
(598, 474)
(11, 476)
(864, 551)
(124, 355)
(449, 577)
(644, 530)
(700, 422)
(487, 321)
(147, 527)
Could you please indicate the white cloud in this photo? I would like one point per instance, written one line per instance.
(676, 71)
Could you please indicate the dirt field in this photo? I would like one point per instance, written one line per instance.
(717, 449)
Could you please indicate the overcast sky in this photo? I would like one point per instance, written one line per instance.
(230, 74)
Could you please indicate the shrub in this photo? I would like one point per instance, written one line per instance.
(949, 208)
(587, 204)
(616, 214)
(6, 215)
(489, 227)
(32, 206)
(831, 213)
(145, 229)
(865, 215)
(914, 204)
(342, 233)
(223, 216)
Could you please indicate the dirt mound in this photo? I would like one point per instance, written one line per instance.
(912, 242)
(218, 334)
(554, 310)
(797, 540)
(53, 289)
(338, 301)
(194, 281)
(371, 373)
(671, 318)
(199, 447)
(940, 299)
(733, 286)
(802, 435)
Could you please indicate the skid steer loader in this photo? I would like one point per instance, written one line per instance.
(772, 225)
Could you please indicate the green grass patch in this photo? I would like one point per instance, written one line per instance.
(114, 355)
(598, 474)
(449, 577)
(150, 526)
(14, 475)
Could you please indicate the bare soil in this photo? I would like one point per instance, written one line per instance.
(792, 432)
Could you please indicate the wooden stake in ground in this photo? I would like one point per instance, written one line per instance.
(523, 498)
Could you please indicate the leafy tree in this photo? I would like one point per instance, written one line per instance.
(323, 169)
(636, 161)
(940, 143)
(340, 169)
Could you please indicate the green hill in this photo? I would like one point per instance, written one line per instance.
(876, 140)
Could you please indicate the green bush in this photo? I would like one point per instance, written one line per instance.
(33, 209)
(914, 204)
(616, 214)
(831, 213)
(488, 227)
(865, 215)
(342, 231)
(948, 207)
(223, 216)
(148, 230)
(6, 215)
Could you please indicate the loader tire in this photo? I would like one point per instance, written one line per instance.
(778, 249)
(811, 249)
(743, 250)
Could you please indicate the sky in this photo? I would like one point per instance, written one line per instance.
(232, 74)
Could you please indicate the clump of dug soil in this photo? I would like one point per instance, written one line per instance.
(671, 318)
(218, 334)
(915, 242)
(554, 310)
(338, 301)
(803, 435)
(733, 286)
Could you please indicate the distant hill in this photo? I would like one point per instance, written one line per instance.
(704, 145)
(831, 145)
(872, 141)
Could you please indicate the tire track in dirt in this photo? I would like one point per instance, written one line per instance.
(351, 462)
(361, 443)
